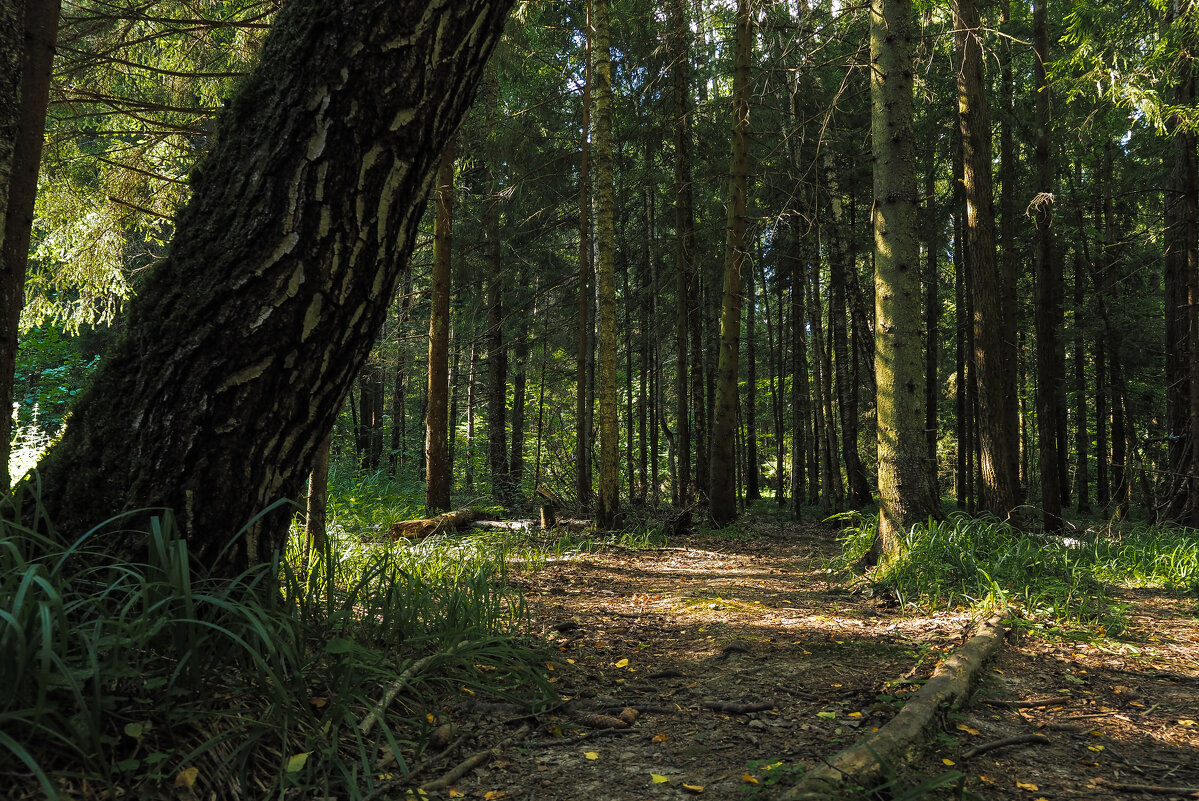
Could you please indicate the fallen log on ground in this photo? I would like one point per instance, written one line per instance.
(450, 521)
(866, 762)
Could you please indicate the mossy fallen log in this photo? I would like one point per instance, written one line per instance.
(450, 521)
(866, 762)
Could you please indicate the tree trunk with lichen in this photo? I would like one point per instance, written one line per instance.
(905, 476)
(243, 343)
(437, 440)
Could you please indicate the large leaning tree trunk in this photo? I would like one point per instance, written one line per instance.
(243, 342)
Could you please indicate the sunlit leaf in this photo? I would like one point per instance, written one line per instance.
(187, 777)
(295, 763)
(658, 778)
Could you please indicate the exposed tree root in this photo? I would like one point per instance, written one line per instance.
(866, 761)
(450, 521)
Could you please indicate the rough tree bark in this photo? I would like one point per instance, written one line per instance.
(608, 502)
(582, 402)
(243, 342)
(999, 481)
(905, 480)
(722, 481)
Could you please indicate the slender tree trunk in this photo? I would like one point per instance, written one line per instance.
(243, 343)
(609, 501)
(399, 387)
(1048, 280)
(906, 487)
(1082, 438)
(28, 30)
(800, 391)
(962, 473)
(1010, 257)
(318, 498)
(520, 358)
(684, 220)
(722, 490)
(830, 495)
(753, 491)
(644, 396)
(932, 308)
(1121, 478)
(840, 263)
(437, 462)
(470, 417)
(1103, 493)
(986, 291)
(582, 385)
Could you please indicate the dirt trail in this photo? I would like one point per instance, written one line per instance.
(699, 636)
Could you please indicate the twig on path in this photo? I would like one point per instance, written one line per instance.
(736, 709)
(405, 678)
(1185, 792)
(1025, 704)
(867, 760)
(573, 740)
(1019, 739)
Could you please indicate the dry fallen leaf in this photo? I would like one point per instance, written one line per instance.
(658, 778)
(660, 738)
(747, 778)
(622, 663)
(491, 795)
(694, 788)
(967, 729)
(456, 793)
(591, 754)
(187, 777)
(948, 762)
(1032, 788)
(1187, 722)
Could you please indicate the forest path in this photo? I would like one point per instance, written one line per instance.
(755, 620)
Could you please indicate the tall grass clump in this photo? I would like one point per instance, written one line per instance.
(982, 562)
(132, 679)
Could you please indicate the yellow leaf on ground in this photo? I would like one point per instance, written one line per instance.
(658, 778)
(967, 729)
(855, 714)
(694, 788)
(492, 795)
(1032, 788)
(295, 762)
(468, 691)
(1095, 747)
(660, 738)
(456, 793)
(591, 754)
(748, 778)
(187, 777)
(318, 702)
(622, 663)
(430, 717)
(1187, 722)
(949, 762)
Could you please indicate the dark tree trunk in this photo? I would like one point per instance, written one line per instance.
(437, 461)
(1048, 283)
(1103, 489)
(1082, 435)
(520, 358)
(26, 55)
(242, 345)
(1009, 258)
(753, 490)
(932, 308)
(986, 291)
(399, 387)
(684, 220)
(801, 397)
(841, 262)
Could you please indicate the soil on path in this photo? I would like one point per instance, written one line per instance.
(747, 663)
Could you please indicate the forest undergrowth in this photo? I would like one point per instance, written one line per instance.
(350, 673)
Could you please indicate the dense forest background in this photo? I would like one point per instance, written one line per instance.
(1092, 338)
